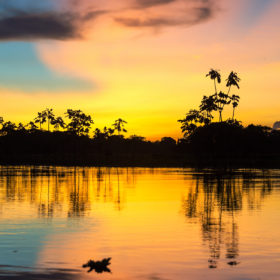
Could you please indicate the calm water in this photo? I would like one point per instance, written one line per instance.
(154, 223)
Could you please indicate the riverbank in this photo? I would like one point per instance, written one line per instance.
(132, 160)
(216, 145)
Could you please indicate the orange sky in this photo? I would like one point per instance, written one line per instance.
(147, 63)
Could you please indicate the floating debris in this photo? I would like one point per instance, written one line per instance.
(98, 266)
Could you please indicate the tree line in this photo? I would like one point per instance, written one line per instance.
(209, 138)
(75, 122)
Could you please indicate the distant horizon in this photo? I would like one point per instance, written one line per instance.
(44, 126)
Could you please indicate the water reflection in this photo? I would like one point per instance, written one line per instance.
(54, 219)
(215, 199)
(51, 189)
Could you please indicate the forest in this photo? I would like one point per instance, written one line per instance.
(207, 140)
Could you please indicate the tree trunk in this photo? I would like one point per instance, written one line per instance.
(221, 119)
(215, 86)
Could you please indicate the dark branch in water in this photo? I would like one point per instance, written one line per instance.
(98, 266)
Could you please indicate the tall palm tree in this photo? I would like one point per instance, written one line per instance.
(119, 125)
(214, 75)
(232, 80)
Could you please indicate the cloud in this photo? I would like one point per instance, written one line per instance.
(35, 26)
(68, 20)
(199, 15)
(34, 23)
(161, 13)
(150, 3)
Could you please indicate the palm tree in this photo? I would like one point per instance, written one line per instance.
(235, 101)
(214, 75)
(119, 125)
(232, 80)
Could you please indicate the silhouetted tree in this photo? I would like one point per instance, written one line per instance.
(57, 123)
(103, 135)
(80, 123)
(233, 80)
(214, 75)
(41, 118)
(48, 113)
(31, 126)
(108, 131)
(21, 127)
(207, 106)
(137, 138)
(8, 127)
(191, 122)
(235, 101)
(210, 104)
(119, 125)
(168, 141)
(222, 100)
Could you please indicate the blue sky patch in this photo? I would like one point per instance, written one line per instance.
(21, 68)
(253, 11)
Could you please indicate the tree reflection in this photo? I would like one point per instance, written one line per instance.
(53, 191)
(215, 200)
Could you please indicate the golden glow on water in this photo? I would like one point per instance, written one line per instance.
(154, 223)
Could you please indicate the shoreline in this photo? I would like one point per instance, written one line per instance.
(196, 164)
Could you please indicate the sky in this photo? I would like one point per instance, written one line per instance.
(141, 60)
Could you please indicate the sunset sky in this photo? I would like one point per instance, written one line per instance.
(142, 60)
